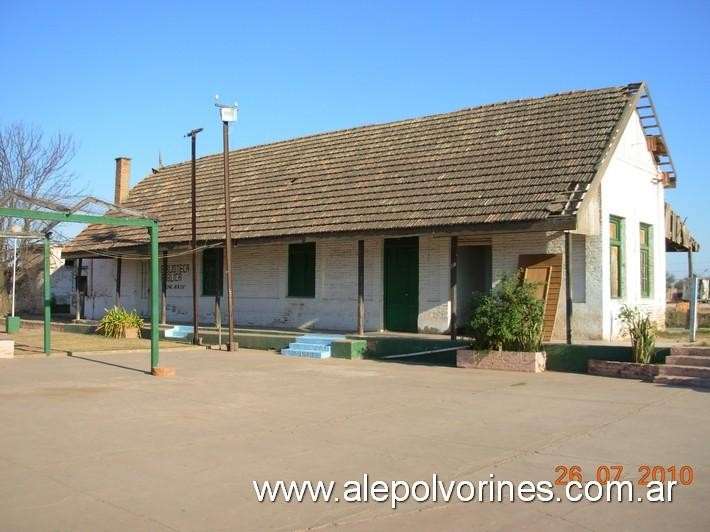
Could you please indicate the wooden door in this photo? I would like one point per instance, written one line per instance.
(546, 270)
(401, 284)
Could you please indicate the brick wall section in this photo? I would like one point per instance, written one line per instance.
(624, 370)
(501, 360)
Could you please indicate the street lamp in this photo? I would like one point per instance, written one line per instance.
(228, 113)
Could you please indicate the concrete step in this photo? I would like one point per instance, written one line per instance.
(304, 353)
(690, 382)
(691, 351)
(312, 345)
(684, 371)
(320, 338)
(300, 344)
(688, 360)
(309, 347)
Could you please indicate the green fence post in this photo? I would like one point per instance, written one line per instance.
(154, 297)
(47, 299)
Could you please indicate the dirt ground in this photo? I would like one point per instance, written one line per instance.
(31, 342)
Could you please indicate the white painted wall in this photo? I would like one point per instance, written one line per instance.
(261, 283)
(260, 287)
(434, 305)
(507, 249)
(630, 189)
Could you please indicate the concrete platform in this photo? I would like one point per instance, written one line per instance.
(95, 443)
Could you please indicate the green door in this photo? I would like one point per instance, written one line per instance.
(401, 282)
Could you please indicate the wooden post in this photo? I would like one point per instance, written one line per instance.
(568, 285)
(690, 280)
(218, 320)
(47, 298)
(78, 289)
(164, 290)
(693, 310)
(117, 297)
(361, 287)
(452, 285)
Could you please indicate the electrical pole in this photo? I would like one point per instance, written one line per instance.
(195, 307)
(228, 113)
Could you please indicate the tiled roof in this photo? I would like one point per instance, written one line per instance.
(509, 162)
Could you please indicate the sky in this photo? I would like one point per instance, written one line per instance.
(131, 78)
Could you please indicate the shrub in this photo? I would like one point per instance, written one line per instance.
(509, 318)
(116, 320)
(638, 325)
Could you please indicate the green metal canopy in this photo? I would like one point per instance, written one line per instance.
(55, 214)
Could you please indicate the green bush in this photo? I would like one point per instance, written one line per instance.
(116, 320)
(638, 325)
(509, 318)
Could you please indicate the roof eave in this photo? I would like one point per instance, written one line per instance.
(552, 223)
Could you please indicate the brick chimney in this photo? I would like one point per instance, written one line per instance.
(123, 174)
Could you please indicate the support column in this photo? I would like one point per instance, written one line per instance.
(693, 308)
(228, 239)
(154, 297)
(690, 279)
(361, 287)
(117, 298)
(164, 290)
(47, 299)
(77, 290)
(218, 320)
(568, 285)
(453, 272)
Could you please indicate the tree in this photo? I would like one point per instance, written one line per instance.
(36, 166)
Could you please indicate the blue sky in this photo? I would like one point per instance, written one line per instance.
(131, 78)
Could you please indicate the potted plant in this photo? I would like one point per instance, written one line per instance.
(120, 323)
(638, 325)
(506, 328)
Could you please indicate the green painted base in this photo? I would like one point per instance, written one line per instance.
(350, 349)
(12, 324)
(573, 358)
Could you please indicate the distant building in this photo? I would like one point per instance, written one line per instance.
(703, 290)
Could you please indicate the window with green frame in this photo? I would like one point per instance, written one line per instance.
(302, 270)
(646, 255)
(616, 254)
(212, 272)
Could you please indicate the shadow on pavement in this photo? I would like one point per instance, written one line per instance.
(109, 363)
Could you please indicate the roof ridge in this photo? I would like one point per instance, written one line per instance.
(400, 121)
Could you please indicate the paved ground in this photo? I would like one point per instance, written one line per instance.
(99, 445)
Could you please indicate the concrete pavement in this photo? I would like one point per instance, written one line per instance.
(93, 443)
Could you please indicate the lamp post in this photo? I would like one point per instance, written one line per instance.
(228, 113)
(195, 321)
